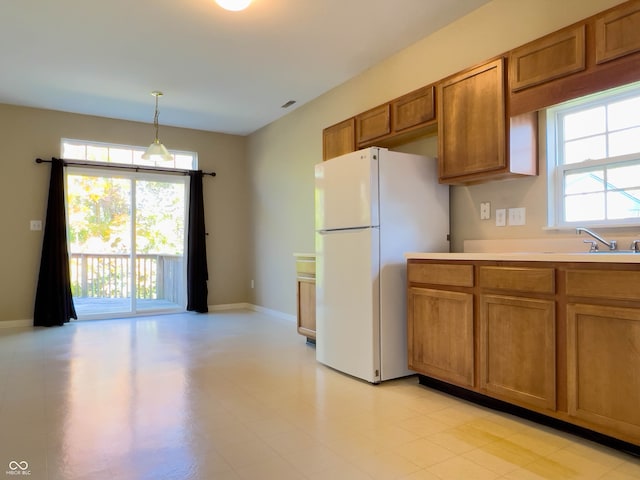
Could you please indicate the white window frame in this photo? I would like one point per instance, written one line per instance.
(136, 154)
(556, 170)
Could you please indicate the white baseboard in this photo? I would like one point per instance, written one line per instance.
(230, 306)
(255, 308)
(212, 308)
(275, 313)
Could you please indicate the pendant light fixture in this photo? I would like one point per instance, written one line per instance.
(233, 5)
(156, 150)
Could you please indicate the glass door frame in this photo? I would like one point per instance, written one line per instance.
(133, 178)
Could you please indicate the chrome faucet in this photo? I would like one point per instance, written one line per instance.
(613, 245)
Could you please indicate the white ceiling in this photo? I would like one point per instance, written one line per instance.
(220, 71)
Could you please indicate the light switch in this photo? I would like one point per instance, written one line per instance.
(517, 216)
(501, 217)
(485, 211)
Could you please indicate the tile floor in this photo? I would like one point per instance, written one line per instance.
(239, 395)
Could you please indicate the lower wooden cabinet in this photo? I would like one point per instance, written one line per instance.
(603, 353)
(440, 335)
(558, 338)
(306, 295)
(518, 349)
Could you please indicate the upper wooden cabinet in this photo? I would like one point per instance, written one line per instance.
(487, 131)
(413, 110)
(554, 56)
(372, 124)
(397, 121)
(392, 123)
(551, 70)
(618, 32)
(473, 132)
(338, 139)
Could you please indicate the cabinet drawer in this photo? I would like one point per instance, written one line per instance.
(441, 274)
(619, 285)
(534, 280)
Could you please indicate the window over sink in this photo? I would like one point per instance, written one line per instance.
(593, 155)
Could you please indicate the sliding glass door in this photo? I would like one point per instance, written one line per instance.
(127, 242)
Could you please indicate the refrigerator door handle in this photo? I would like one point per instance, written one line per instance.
(338, 230)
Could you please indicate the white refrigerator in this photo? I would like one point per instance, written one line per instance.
(372, 206)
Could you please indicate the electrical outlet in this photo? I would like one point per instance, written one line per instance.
(485, 211)
(517, 216)
(501, 217)
(35, 225)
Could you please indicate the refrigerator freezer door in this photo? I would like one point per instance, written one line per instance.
(347, 296)
(346, 191)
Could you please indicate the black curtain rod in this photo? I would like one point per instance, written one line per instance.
(125, 167)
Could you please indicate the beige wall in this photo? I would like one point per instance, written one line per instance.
(282, 154)
(30, 133)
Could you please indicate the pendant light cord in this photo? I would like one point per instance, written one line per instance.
(157, 114)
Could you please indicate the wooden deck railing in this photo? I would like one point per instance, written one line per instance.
(109, 276)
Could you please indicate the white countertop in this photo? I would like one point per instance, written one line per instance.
(603, 257)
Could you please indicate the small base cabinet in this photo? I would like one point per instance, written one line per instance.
(604, 367)
(518, 350)
(518, 334)
(440, 335)
(306, 295)
(603, 349)
(560, 339)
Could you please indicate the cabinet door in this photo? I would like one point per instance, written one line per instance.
(307, 307)
(414, 109)
(554, 56)
(338, 139)
(471, 122)
(517, 350)
(603, 355)
(440, 335)
(372, 124)
(618, 32)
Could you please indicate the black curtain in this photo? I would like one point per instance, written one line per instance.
(197, 272)
(54, 303)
